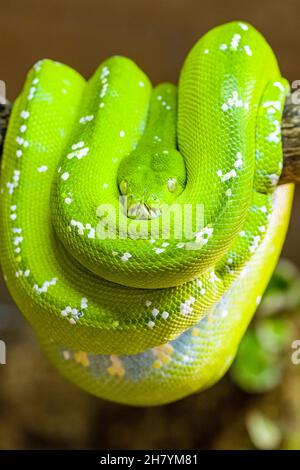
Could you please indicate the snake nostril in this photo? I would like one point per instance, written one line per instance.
(172, 184)
(123, 187)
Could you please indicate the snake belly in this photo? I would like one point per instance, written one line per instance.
(145, 320)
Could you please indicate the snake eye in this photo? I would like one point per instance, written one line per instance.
(123, 187)
(172, 184)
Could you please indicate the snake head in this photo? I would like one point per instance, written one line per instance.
(149, 180)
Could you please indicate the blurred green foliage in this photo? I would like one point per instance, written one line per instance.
(259, 363)
(264, 359)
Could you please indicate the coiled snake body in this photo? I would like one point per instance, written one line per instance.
(130, 316)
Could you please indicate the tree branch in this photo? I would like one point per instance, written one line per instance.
(291, 141)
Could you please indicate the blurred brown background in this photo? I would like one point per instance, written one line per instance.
(38, 409)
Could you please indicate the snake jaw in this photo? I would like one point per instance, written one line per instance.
(137, 211)
(154, 213)
(142, 211)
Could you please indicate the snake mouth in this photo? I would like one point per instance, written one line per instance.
(143, 211)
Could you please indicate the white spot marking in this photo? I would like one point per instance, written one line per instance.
(24, 114)
(126, 257)
(65, 176)
(42, 169)
(279, 85)
(235, 41)
(155, 312)
(158, 251)
(248, 50)
(243, 26)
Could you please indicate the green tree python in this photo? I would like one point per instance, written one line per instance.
(140, 225)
